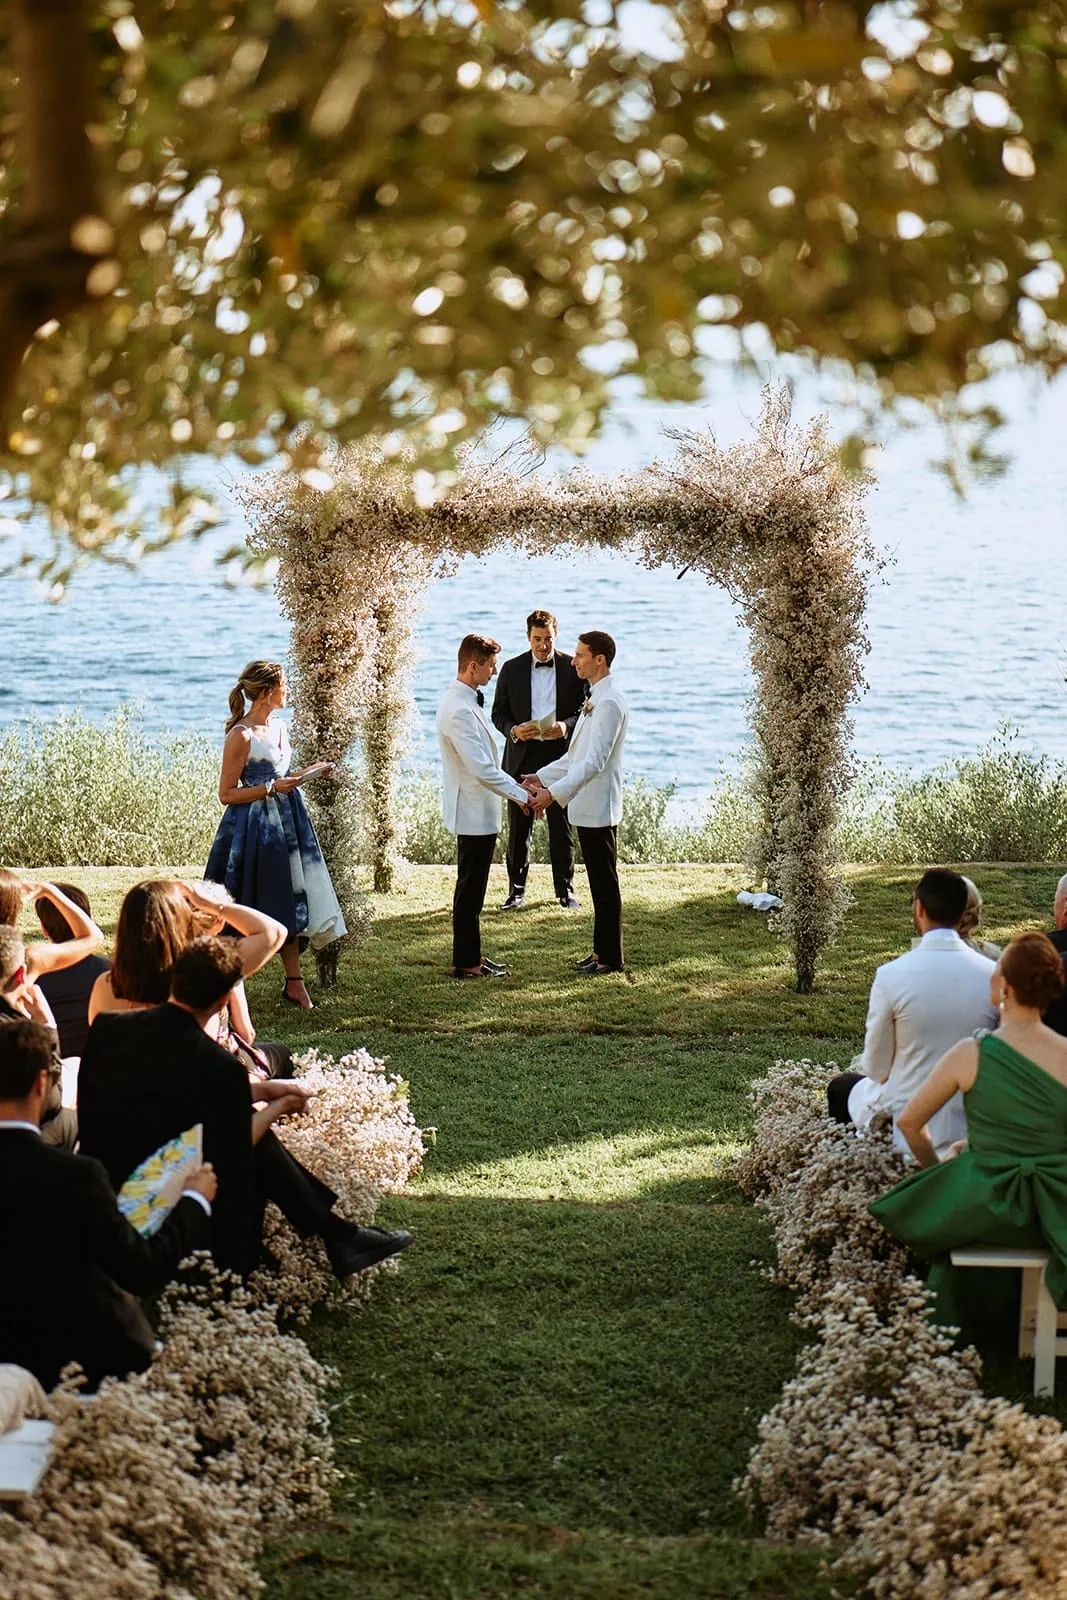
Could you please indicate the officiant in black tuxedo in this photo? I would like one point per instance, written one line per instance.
(539, 684)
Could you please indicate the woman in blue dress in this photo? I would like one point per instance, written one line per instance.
(265, 850)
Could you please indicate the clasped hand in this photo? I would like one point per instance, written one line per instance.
(540, 797)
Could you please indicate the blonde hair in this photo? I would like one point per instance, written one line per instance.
(259, 677)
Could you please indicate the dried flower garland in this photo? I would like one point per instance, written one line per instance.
(774, 520)
(161, 1487)
(883, 1442)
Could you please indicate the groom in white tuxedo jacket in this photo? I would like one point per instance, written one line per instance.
(588, 781)
(474, 785)
(921, 1004)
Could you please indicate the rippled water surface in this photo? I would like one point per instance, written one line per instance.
(967, 630)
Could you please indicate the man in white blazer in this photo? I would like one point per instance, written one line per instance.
(474, 786)
(588, 781)
(921, 1004)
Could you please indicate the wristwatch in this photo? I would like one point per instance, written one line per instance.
(270, 786)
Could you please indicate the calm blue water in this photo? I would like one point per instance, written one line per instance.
(968, 629)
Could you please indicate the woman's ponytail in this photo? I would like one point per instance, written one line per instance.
(237, 706)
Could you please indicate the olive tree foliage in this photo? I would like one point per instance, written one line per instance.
(246, 227)
(775, 520)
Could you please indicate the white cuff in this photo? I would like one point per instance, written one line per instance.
(201, 1199)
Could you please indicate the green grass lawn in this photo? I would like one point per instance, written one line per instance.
(556, 1392)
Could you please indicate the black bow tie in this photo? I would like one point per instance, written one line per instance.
(544, 663)
(481, 697)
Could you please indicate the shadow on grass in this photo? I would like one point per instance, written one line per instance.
(561, 1390)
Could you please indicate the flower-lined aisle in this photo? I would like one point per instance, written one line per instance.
(883, 1442)
(166, 1484)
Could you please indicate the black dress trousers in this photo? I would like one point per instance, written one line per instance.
(474, 858)
(601, 866)
(560, 847)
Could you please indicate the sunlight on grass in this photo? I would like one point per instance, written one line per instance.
(645, 1162)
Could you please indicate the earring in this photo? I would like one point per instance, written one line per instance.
(1003, 997)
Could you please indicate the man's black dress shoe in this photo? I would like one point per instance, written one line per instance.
(585, 964)
(598, 969)
(515, 900)
(569, 903)
(363, 1247)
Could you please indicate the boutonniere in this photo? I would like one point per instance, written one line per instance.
(587, 708)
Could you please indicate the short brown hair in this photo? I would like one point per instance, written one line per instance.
(205, 972)
(12, 953)
(25, 1052)
(601, 644)
(1034, 968)
(51, 917)
(541, 619)
(476, 647)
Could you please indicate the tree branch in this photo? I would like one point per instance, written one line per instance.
(43, 271)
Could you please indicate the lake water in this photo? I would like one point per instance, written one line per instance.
(967, 629)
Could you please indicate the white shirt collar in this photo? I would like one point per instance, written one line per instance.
(600, 687)
(26, 1127)
(475, 692)
(941, 936)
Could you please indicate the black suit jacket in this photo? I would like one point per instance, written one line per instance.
(147, 1076)
(511, 705)
(1056, 1015)
(66, 1256)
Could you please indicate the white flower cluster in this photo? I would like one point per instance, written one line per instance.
(883, 1442)
(775, 520)
(360, 1138)
(164, 1486)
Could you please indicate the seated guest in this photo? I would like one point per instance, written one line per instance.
(71, 1261)
(971, 921)
(1056, 1015)
(920, 1004)
(148, 1075)
(67, 989)
(1008, 1187)
(157, 920)
(22, 1001)
(83, 936)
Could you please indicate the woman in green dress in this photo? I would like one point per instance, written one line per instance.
(1008, 1184)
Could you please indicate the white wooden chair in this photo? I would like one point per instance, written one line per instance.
(25, 1452)
(1039, 1321)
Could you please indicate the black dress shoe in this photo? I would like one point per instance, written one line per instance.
(515, 900)
(569, 903)
(598, 969)
(481, 972)
(363, 1248)
(584, 965)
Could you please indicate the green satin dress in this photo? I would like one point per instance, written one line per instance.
(1007, 1188)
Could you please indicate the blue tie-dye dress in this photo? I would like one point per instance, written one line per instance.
(266, 852)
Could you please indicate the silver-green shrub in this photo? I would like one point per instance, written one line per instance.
(1003, 804)
(78, 794)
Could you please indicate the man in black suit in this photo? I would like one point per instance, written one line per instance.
(1056, 1015)
(540, 683)
(71, 1263)
(148, 1075)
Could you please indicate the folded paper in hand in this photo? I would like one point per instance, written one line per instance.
(543, 724)
(154, 1189)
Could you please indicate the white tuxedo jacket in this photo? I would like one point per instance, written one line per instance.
(473, 783)
(588, 779)
(921, 1004)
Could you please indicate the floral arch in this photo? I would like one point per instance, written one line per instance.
(774, 520)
